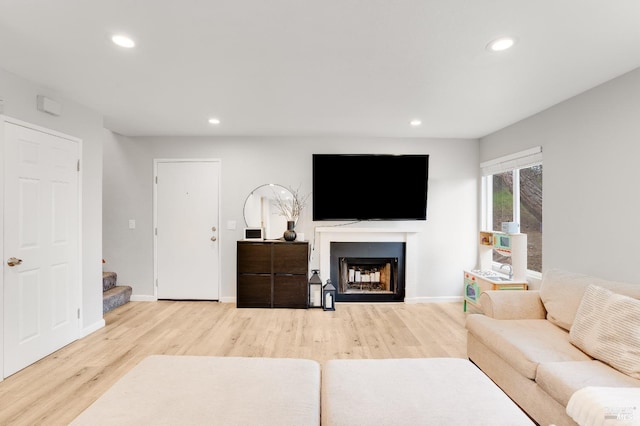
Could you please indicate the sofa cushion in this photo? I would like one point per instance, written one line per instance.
(607, 327)
(561, 293)
(561, 379)
(524, 343)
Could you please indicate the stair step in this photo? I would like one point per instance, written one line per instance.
(109, 280)
(114, 297)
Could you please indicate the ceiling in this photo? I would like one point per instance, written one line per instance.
(318, 67)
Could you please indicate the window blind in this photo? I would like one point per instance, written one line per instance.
(519, 160)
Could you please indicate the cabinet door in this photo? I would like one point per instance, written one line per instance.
(254, 291)
(291, 258)
(254, 258)
(471, 290)
(290, 291)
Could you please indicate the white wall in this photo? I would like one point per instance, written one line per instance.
(19, 97)
(448, 243)
(591, 153)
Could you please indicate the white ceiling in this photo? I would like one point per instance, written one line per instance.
(318, 67)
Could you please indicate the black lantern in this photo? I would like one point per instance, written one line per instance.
(329, 297)
(315, 290)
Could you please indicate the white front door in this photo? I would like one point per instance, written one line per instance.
(186, 226)
(41, 233)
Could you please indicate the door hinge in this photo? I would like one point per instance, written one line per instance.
(156, 232)
(78, 313)
(156, 283)
(156, 180)
(78, 166)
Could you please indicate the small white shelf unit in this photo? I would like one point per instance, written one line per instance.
(512, 245)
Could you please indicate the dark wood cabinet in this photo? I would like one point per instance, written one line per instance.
(272, 274)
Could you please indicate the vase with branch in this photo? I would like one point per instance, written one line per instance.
(290, 206)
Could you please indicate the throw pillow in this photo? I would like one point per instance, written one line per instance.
(607, 327)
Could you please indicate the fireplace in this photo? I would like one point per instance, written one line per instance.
(407, 234)
(368, 271)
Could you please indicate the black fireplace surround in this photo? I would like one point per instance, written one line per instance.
(373, 253)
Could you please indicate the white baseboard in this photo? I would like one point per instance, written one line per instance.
(92, 328)
(143, 298)
(232, 299)
(433, 299)
(147, 298)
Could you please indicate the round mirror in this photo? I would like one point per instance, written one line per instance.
(261, 211)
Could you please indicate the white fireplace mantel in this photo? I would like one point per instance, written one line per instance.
(409, 236)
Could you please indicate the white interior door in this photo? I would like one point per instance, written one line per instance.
(186, 223)
(41, 233)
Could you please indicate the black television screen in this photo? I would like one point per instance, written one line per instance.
(370, 187)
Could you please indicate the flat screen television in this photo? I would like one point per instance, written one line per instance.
(370, 186)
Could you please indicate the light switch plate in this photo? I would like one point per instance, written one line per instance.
(132, 224)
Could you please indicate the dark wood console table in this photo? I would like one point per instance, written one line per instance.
(272, 274)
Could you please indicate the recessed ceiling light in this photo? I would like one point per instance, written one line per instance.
(500, 44)
(415, 123)
(123, 41)
(214, 121)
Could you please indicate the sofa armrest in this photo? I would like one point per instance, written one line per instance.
(591, 405)
(512, 304)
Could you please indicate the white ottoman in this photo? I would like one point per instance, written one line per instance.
(423, 391)
(199, 390)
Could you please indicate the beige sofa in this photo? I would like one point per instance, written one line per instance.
(538, 346)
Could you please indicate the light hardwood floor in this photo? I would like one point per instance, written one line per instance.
(57, 388)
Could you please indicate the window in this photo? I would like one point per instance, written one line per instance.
(513, 193)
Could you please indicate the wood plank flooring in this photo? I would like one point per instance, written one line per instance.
(59, 387)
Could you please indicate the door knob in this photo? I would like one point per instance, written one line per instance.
(213, 238)
(14, 261)
(214, 229)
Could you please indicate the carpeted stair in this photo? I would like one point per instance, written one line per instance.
(113, 295)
